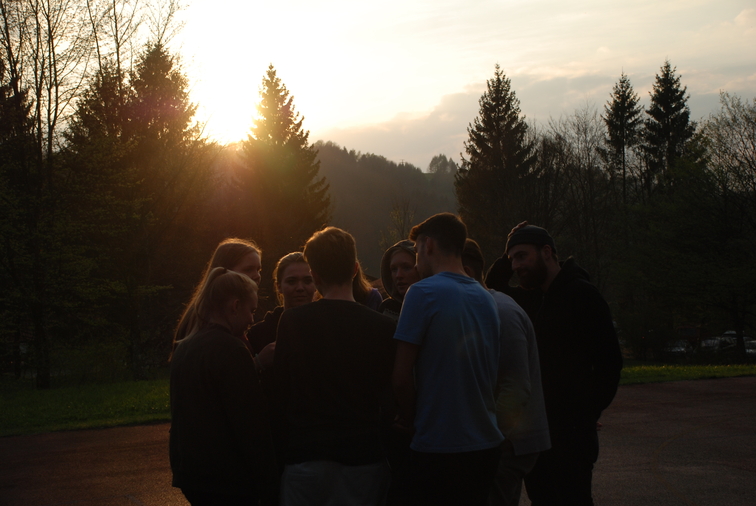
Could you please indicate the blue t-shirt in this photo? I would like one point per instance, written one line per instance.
(455, 322)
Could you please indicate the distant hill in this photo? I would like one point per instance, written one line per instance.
(378, 200)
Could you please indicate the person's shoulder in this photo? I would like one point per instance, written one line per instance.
(390, 305)
(504, 301)
(445, 279)
(216, 341)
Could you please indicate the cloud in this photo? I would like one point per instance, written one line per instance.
(746, 19)
(416, 137)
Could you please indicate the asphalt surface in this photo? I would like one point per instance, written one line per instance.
(681, 443)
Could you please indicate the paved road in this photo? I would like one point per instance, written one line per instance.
(686, 443)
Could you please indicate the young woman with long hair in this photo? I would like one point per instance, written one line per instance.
(221, 449)
(234, 254)
(294, 287)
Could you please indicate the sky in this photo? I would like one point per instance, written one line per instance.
(402, 79)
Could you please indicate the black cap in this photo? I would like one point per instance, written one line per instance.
(530, 234)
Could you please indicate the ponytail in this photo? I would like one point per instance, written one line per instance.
(220, 286)
(227, 254)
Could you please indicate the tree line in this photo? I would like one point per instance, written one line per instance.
(660, 210)
(112, 198)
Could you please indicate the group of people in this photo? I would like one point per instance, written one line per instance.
(452, 390)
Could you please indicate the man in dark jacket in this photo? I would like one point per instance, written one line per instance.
(580, 360)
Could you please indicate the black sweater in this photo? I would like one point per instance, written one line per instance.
(333, 367)
(577, 344)
(220, 432)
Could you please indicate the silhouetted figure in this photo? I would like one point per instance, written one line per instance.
(398, 273)
(580, 360)
(333, 367)
(234, 254)
(445, 371)
(220, 444)
(520, 409)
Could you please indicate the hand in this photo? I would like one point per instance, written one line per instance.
(400, 425)
(264, 359)
(517, 227)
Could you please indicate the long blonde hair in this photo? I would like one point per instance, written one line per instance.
(227, 255)
(221, 285)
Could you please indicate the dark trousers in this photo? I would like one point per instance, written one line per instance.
(197, 498)
(452, 478)
(562, 475)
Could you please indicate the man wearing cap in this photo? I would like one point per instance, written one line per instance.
(579, 354)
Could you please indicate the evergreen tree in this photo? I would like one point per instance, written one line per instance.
(492, 184)
(286, 199)
(135, 146)
(622, 116)
(667, 129)
(440, 164)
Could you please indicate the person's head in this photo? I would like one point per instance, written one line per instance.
(293, 281)
(332, 255)
(398, 271)
(472, 260)
(238, 255)
(228, 298)
(533, 255)
(234, 254)
(441, 235)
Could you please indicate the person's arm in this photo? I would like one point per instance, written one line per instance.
(281, 364)
(513, 386)
(403, 380)
(604, 349)
(246, 410)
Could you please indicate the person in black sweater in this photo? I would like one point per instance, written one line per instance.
(333, 365)
(220, 444)
(579, 354)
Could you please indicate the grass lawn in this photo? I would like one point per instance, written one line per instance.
(635, 373)
(24, 410)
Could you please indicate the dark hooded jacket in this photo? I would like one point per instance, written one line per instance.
(392, 305)
(578, 347)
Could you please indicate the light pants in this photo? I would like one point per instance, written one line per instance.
(328, 483)
(507, 486)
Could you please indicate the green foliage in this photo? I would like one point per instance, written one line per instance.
(24, 410)
(622, 116)
(286, 199)
(667, 129)
(494, 181)
(27, 411)
(132, 143)
(375, 197)
(638, 374)
(44, 261)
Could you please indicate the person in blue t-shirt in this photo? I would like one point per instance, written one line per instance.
(445, 371)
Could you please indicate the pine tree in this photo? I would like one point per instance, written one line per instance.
(286, 199)
(135, 145)
(492, 182)
(623, 121)
(667, 129)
